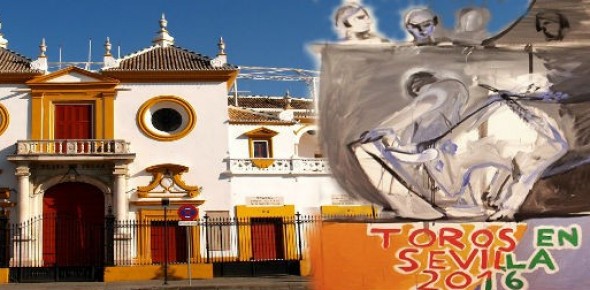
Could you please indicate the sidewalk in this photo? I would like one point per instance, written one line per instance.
(240, 283)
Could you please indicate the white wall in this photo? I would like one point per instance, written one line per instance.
(283, 143)
(18, 106)
(307, 193)
(203, 150)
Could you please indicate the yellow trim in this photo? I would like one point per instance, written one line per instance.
(251, 151)
(36, 115)
(146, 216)
(154, 272)
(4, 119)
(45, 95)
(228, 76)
(304, 120)
(108, 114)
(17, 78)
(173, 171)
(350, 210)
(305, 268)
(262, 163)
(245, 213)
(158, 202)
(49, 102)
(263, 134)
(144, 109)
(100, 80)
(4, 275)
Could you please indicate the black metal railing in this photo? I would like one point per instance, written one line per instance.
(51, 245)
(212, 240)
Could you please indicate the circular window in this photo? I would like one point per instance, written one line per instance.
(3, 119)
(166, 118)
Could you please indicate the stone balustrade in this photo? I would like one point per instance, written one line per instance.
(72, 147)
(279, 166)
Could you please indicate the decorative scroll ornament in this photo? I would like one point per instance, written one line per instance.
(167, 180)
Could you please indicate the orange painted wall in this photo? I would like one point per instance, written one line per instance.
(345, 256)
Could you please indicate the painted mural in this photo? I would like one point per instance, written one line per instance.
(475, 146)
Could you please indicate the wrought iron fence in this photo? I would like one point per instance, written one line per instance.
(55, 242)
(212, 240)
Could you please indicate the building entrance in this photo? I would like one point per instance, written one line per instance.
(73, 229)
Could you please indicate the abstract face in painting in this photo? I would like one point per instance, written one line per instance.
(353, 18)
(472, 19)
(553, 25)
(360, 21)
(421, 23)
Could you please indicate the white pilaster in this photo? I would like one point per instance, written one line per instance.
(24, 211)
(119, 192)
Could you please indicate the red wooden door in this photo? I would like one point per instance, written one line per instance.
(267, 238)
(72, 122)
(177, 248)
(73, 219)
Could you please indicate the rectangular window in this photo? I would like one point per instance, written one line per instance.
(260, 149)
(73, 121)
(219, 224)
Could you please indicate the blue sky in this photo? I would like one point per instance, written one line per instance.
(269, 33)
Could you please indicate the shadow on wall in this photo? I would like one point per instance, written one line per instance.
(171, 274)
(7, 176)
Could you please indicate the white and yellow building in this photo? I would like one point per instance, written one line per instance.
(153, 126)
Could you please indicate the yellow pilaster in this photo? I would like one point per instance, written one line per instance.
(36, 115)
(109, 115)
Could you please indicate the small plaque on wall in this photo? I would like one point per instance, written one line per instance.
(265, 200)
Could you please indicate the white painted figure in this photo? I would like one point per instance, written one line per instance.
(355, 25)
(422, 24)
(426, 142)
(470, 27)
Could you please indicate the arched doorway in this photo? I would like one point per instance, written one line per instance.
(308, 146)
(73, 225)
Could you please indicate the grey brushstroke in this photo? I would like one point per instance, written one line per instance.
(359, 90)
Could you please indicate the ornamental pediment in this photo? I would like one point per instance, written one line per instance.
(167, 182)
(72, 75)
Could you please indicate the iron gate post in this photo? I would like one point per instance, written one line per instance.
(110, 238)
(4, 239)
(165, 204)
(206, 217)
(298, 222)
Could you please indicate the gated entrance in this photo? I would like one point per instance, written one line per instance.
(73, 242)
(267, 238)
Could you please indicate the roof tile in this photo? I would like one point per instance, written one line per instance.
(169, 58)
(272, 103)
(239, 115)
(12, 62)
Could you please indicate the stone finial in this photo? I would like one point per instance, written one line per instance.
(42, 48)
(288, 100)
(163, 38)
(3, 41)
(107, 47)
(221, 45)
(109, 60)
(41, 62)
(221, 58)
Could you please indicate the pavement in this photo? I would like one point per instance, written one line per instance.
(282, 282)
